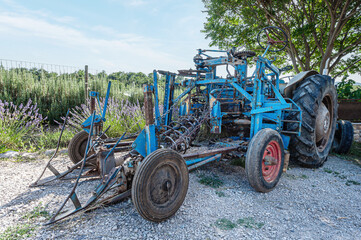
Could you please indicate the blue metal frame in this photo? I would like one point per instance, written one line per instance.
(262, 99)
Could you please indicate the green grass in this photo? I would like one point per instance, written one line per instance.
(49, 139)
(220, 194)
(211, 181)
(225, 224)
(3, 149)
(17, 232)
(25, 230)
(38, 211)
(249, 222)
(44, 140)
(352, 182)
(239, 162)
(295, 177)
(354, 154)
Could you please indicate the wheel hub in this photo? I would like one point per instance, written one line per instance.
(162, 184)
(271, 161)
(322, 122)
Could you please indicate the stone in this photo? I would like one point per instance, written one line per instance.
(49, 152)
(29, 155)
(9, 154)
(63, 151)
(356, 138)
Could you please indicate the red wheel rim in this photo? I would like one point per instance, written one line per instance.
(271, 161)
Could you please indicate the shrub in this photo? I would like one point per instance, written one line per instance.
(19, 125)
(55, 93)
(346, 89)
(121, 115)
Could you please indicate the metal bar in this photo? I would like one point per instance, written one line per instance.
(211, 152)
(278, 95)
(197, 160)
(86, 84)
(156, 101)
(118, 198)
(71, 195)
(105, 159)
(218, 156)
(242, 91)
(289, 132)
(106, 99)
(48, 165)
(270, 109)
(290, 121)
(189, 89)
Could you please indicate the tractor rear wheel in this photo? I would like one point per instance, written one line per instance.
(264, 160)
(316, 96)
(160, 185)
(343, 137)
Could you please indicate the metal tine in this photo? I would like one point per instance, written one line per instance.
(103, 187)
(115, 145)
(39, 182)
(72, 194)
(100, 190)
(48, 165)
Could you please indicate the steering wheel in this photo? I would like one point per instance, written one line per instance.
(273, 36)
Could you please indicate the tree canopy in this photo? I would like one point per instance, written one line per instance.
(317, 30)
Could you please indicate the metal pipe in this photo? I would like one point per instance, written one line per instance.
(106, 99)
(210, 153)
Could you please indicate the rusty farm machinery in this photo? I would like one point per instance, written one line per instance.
(264, 123)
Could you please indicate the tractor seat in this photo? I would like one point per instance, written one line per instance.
(244, 54)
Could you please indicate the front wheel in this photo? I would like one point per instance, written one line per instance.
(264, 160)
(160, 185)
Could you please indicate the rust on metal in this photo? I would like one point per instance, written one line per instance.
(211, 152)
(148, 106)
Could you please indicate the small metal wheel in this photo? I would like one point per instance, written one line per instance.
(264, 160)
(160, 185)
(77, 146)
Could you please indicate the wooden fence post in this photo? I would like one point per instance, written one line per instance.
(86, 84)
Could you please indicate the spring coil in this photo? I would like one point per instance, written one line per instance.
(179, 134)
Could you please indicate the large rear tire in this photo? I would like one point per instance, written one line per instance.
(343, 137)
(264, 160)
(160, 185)
(316, 96)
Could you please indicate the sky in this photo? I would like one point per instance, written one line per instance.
(110, 35)
(114, 35)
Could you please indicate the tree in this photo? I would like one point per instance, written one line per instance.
(317, 30)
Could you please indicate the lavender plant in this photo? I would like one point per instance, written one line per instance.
(121, 115)
(19, 124)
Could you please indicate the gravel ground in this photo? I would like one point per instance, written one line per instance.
(323, 203)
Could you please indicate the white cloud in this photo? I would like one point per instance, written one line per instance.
(127, 51)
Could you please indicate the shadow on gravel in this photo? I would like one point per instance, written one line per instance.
(26, 197)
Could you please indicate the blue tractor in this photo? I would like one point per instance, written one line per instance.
(247, 113)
